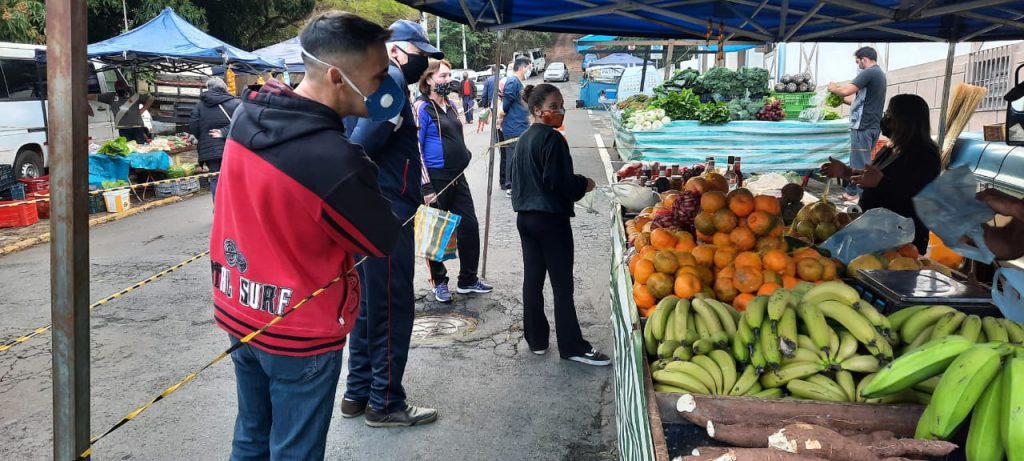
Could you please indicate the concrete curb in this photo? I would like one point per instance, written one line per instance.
(33, 241)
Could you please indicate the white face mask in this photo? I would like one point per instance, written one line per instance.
(384, 104)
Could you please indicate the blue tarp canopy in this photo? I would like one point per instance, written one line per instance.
(168, 37)
(289, 51)
(618, 59)
(759, 21)
(581, 43)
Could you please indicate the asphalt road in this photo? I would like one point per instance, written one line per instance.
(496, 400)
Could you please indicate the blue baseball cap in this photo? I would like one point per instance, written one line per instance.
(404, 30)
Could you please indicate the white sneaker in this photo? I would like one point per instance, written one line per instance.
(508, 193)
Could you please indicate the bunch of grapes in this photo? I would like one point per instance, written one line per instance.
(772, 111)
(692, 172)
(684, 211)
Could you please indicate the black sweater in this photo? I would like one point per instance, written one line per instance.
(542, 173)
(902, 179)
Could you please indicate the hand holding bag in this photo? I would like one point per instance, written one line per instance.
(435, 233)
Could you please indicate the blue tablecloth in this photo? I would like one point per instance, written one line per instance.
(158, 160)
(115, 168)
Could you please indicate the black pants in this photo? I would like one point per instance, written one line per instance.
(505, 169)
(214, 167)
(459, 200)
(134, 134)
(548, 251)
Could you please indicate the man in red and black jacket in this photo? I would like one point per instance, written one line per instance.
(297, 201)
(467, 88)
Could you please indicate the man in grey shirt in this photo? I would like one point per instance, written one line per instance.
(128, 108)
(866, 97)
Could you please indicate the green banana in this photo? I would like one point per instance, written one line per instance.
(775, 393)
(1012, 411)
(712, 368)
(667, 349)
(1013, 331)
(870, 312)
(850, 319)
(790, 372)
(754, 388)
(728, 366)
(720, 339)
(802, 355)
(770, 344)
(682, 353)
(787, 331)
(881, 348)
(815, 324)
(922, 338)
(847, 346)
(928, 385)
(777, 303)
(726, 314)
(948, 324)
(805, 342)
(721, 314)
(666, 388)
(836, 291)
(984, 438)
(707, 315)
(658, 365)
(923, 398)
(845, 380)
(755, 312)
(692, 369)
(921, 320)
(833, 345)
(757, 359)
(924, 425)
(859, 392)
(982, 337)
(971, 328)
(861, 364)
(680, 380)
(735, 314)
(670, 330)
(650, 342)
(834, 389)
(917, 365)
(811, 391)
(740, 349)
(904, 396)
(682, 319)
(703, 332)
(994, 330)
(962, 385)
(660, 316)
(703, 346)
(898, 318)
(746, 380)
(799, 291)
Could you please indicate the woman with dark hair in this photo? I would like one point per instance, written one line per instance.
(546, 188)
(908, 163)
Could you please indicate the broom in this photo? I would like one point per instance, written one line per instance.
(966, 98)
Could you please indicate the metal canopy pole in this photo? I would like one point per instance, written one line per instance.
(947, 81)
(643, 72)
(493, 151)
(669, 67)
(66, 70)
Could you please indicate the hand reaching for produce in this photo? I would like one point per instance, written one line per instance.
(836, 169)
(1002, 203)
(1004, 241)
(870, 178)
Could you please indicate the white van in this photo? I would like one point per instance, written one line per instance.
(23, 105)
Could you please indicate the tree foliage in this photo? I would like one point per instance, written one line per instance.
(481, 46)
(22, 21)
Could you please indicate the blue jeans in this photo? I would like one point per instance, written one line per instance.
(862, 142)
(214, 167)
(379, 342)
(284, 404)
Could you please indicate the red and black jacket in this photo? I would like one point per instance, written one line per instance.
(295, 201)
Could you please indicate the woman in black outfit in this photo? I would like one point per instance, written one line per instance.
(545, 191)
(209, 123)
(908, 163)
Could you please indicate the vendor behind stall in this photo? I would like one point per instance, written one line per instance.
(128, 107)
(908, 163)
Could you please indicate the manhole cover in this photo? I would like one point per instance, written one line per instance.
(434, 327)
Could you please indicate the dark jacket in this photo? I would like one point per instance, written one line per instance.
(206, 116)
(901, 181)
(542, 173)
(441, 141)
(394, 147)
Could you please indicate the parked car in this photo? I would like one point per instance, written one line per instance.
(588, 58)
(556, 72)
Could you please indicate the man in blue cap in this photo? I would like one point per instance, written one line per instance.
(379, 342)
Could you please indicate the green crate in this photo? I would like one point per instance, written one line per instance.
(794, 103)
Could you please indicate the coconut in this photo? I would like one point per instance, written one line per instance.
(822, 212)
(792, 193)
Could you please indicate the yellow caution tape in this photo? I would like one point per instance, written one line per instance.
(130, 186)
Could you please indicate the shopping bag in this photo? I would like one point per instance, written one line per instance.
(947, 207)
(435, 233)
(1008, 293)
(878, 229)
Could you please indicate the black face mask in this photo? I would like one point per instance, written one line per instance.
(413, 70)
(444, 89)
(886, 126)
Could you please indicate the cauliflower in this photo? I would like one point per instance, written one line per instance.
(657, 125)
(665, 120)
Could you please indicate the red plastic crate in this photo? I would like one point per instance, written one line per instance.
(43, 207)
(36, 184)
(21, 215)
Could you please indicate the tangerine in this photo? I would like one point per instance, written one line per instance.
(643, 297)
(692, 270)
(706, 276)
(660, 285)
(725, 220)
(829, 270)
(772, 277)
(775, 260)
(789, 282)
(790, 268)
(712, 201)
(768, 204)
(728, 272)
(748, 259)
(778, 228)
(666, 262)
(805, 253)
(703, 237)
(741, 202)
(768, 288)
(724, 290)
(743, 238)
(685, 259)
(696, 184)
(705, 223)
(687, 286)
(742, 301)
(644, 270)
(765, 244)
(810, 269)
(632, 263)
(724, 256)
(721, 239)
(705, 255)
(662, 239)
(747, 280)
(668, 198)
(761, 222)
(686, 245)
(910, 251)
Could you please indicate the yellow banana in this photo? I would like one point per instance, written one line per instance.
(864, 382)
(787, 331)
(790, 372)
(680, 380)
(707, 315)
(898, 318)
(802, 355)
(922, 338)
(1013, 331)
(808, 390)
(775, 393)
(770, 344)
(650, 342)
(666, 388)
(667, 348)
(837, 291)
(681, 319)
(692, 369)
(833, 388)
(777, 303)
(855, 323)
(728, 366)
(682, 353)
(847, 346)
(703, 346)
(713, 369)
(670, 331)
(815, 324)
(724, 317)
(660, 316)
(861, 364)
(745, 382)
(948, 324)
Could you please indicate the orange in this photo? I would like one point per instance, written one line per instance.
(686, 245)
(668, 198)
(775, 260)
(706, 276)
(772, 277)
(724, 290)
(717, 182)
(741, 301)
(743, 238)
(790, 268)
(643, 297)
(747, 280)
(662, 239)
(660, 285)
(725, 220)
(704, 222)
(646, 313)
(641, 240)
(721, 239)
(768, 288)
(761, 222)
(810, 269)
(768, 204)
(648, 252)
(682, 235)
(666, 262)
(789, 281)
(705, 255)
(696, 184)
(724, 256)
(742, 202)
(778, 229)
(829, 270)
(748, 259)
(712, 201)
(910, 251)
(805, 253)
(692, 270)
(685, 259)
(728, 272)
(687, 285)
(703, 237)
(644, 270)
(765, 244)
(632, 263)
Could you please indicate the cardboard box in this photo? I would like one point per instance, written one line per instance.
(995, 132)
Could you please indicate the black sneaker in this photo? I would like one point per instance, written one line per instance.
(478, 287)
(592, 358)
(410, 416)
(351, 408)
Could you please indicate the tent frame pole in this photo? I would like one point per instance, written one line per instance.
(493, 152)
(947, 82)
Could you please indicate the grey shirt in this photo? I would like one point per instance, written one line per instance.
(133, 117)
(866, 111)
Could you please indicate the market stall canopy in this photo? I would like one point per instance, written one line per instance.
(760, 21)
(581, 43)
(618, 59)
(290, 51)
(169, 40)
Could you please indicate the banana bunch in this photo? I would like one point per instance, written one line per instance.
(920, 324)
(680, 328)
